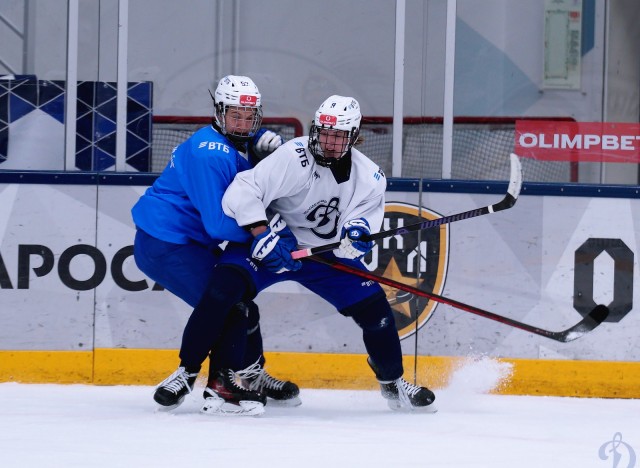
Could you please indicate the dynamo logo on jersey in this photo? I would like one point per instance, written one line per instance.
(402, 259)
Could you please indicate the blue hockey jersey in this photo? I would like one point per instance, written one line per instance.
(184, 203)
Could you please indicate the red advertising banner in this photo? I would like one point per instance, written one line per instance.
(578, 141)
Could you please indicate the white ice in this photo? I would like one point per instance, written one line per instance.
(97, 426)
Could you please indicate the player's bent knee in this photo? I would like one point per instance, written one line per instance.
(227, 284)
(253, 314)
(373, 313)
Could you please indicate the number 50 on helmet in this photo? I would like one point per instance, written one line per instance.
(238, 97)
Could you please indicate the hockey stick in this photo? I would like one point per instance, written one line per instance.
(588, 323)
(515, 184)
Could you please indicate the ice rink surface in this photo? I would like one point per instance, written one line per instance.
(92, 426)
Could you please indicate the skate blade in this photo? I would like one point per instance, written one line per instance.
(288, 403)
(219, 407)
(395, 405)
(164, 409)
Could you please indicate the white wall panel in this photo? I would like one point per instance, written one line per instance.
(519, 263)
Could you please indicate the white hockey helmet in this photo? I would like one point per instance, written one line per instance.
(239, 92)
(335, 113)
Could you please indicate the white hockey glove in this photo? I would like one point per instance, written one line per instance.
(273, 247)
(352, 245)
(265, 142)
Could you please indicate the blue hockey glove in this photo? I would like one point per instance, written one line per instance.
(352, 245)
(287, 237)
(265, 142)
(274, 251)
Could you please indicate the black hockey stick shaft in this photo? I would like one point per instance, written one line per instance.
(588, 323)
(515, 184)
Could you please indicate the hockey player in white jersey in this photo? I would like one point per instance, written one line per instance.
(320, 190)
(317, 183)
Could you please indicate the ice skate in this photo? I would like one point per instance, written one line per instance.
(404, 396)
(225, 396)
(280, 392)
(170, 393)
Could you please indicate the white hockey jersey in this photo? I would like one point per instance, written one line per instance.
(307, 195)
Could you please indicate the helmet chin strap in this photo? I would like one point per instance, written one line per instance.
(239, 139)
(238, 143)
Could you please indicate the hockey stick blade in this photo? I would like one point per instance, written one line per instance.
(587, 324)
(510, 198)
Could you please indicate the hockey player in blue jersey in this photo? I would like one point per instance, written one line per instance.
(180, 224)
(321, 190)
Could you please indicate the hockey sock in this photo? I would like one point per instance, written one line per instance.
(228, 352)
(380, 336)
(253, 343)
(254, 349)
(226, 287)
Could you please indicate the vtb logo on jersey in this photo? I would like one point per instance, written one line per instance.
(248, 100)
(420, 264)
(326, 119)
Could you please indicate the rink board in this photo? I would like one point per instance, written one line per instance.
(593, 379)
(73, 297)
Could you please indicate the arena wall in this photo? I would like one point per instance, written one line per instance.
(75, 308)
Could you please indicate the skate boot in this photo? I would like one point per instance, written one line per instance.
(402, 395)
(225, 396)
(170, 392)
(283, 393)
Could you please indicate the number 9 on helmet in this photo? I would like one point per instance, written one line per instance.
(334, 129)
